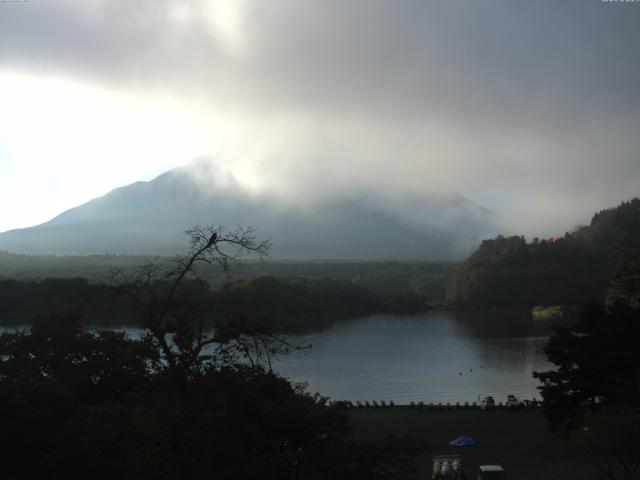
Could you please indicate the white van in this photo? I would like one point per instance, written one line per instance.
(491, 472)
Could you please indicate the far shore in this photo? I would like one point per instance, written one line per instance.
(298, 322)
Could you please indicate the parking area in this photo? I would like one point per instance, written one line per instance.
(520, 440)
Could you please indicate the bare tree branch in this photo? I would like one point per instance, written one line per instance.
(153, 289)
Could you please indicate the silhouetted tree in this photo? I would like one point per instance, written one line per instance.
(596, 358)
(594, 392)
(154, 290)
(596, 364)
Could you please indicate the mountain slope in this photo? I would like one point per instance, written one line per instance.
(149, 217)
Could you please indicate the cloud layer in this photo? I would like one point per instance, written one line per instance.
(529, 108)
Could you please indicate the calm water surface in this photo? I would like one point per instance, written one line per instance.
(432, 357)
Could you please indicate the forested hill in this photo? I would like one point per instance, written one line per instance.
(568, 270)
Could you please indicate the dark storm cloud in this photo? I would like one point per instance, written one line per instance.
(531, 103)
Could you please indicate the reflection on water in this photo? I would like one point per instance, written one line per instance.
(433, 357)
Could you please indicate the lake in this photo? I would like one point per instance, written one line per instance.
(433, 357)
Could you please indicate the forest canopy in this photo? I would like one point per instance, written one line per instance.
(569, 270)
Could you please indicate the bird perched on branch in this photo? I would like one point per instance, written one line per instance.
(212, 240)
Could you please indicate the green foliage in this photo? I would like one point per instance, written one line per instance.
(55, 372)
(569, 270)
(387, 276)
(615, 230)
(427, 280)
(596, 358)
(287, 303)
(33, 267)
(624, 286)
(596, 362)
(22, 302)
(294, 303)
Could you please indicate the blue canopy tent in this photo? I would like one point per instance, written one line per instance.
(462, 442)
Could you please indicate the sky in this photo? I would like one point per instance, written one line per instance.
(530, 108)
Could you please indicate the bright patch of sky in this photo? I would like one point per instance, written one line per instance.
(64, 143)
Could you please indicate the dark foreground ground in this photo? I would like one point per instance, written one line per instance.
(520, 441)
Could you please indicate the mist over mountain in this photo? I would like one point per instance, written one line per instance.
(150, 217)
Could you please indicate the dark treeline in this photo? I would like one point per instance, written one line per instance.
(427, 279)
(36, 267)
(568, 270)
(292, 303)
(291, 295)
(287, 303)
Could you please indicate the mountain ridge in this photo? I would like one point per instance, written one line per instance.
(150, 216)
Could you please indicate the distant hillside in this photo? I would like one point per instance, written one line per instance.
(149, 218)
(568, 270)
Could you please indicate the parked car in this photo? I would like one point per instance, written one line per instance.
(491, 472)
(488, 403)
